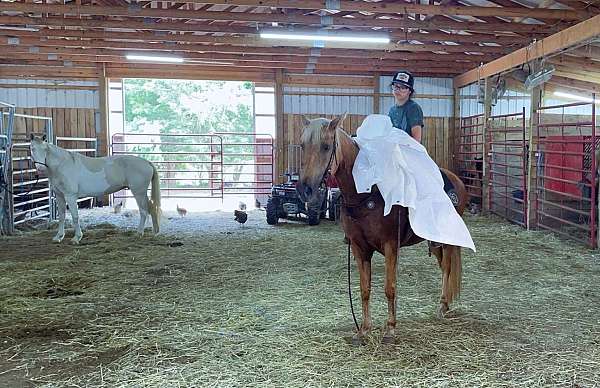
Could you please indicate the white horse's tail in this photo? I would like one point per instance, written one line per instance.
(155, 210)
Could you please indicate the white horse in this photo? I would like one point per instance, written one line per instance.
(74, 176)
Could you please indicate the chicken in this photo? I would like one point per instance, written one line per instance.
(182, 212)
(257, 203)
(242, 206)
(117, 208)
(240, 216)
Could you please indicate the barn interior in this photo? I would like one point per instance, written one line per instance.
(508, 91)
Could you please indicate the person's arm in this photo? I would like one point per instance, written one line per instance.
(417, 132)
(415, 122)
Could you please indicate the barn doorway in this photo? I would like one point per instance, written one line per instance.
(212, 141)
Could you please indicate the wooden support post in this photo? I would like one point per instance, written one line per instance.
(536, 100)
(487, 112)
(102, 125)
(102, 128)
(454, 131)
(279, 130)
(376, 92)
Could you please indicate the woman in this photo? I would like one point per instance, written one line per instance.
(406, 114)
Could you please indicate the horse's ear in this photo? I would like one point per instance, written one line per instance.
(44, 137)
(305, 121)
(336, 122)
(31, 136)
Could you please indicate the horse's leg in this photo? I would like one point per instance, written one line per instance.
(444, 264)
(72, 202)
(62, 210)
(450, 261)
(391, 260)
(142, 201)
(363, 262)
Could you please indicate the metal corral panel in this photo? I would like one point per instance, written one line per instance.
(309, 100)
(54, 97)
(441, 88)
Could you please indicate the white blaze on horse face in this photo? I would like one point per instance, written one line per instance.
(313, 162)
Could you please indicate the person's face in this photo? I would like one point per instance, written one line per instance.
(400, 92)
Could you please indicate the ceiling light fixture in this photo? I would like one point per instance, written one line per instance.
(325, 35)
(153, 58)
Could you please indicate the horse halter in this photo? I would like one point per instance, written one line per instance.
(331, 157)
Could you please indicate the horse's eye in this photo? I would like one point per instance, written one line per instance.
(325, 147)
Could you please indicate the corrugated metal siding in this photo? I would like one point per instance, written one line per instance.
(512, 102)
(323, 104)
(25, 97)
(363, 105)
(432, 107)
(468, 101)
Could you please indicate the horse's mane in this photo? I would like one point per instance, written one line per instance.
(312, 134)
(61, 152)
(346, 149)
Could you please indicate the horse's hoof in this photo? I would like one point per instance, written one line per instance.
(358, 340)
(442, 310)
(388, 340)
(75, 240)
(57, 240)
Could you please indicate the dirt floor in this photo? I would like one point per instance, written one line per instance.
(212, 303)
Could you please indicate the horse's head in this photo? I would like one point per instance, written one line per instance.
(318, 145)
(38, 146)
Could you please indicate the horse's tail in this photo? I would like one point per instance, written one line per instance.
(455, 276)
(155, 210)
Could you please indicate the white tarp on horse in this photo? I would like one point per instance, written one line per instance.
(406, 176)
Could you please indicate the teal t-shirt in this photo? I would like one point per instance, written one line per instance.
(406, 116)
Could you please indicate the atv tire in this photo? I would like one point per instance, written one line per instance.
(271, 210)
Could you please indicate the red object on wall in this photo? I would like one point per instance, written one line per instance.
(558, 145)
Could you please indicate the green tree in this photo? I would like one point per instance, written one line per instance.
(189, 108)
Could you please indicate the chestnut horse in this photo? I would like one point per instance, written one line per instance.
(327, 147)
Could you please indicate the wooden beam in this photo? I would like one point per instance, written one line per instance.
(80, 60)
(592, 87)
(6, 39)
(577, 34)
(117, 56)
(48, 72)
(233, 46)
(310, 20)
(221, 75)
(405, 8)
(325, 81)
(189, 38)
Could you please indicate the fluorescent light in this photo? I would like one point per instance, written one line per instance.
(153, 58)
(575, 97)
(329, 36)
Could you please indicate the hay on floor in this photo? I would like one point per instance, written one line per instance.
(255, 307)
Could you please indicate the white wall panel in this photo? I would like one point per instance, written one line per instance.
(24, 97)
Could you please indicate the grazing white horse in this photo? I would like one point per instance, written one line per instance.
(74, 176)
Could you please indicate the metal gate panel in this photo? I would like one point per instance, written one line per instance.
(252, 151)
(507, 166)
(566, 182)
(189, 165)
(31, 190)
(203, 165)
(469, 156)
